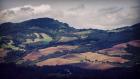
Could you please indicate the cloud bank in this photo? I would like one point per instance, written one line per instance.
(80, 16)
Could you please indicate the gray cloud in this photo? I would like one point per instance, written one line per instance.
(79, 7)
(79, 16)
(110, 10)
(26, 9)
(22, 13)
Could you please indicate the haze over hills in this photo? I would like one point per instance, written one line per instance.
(48, 42)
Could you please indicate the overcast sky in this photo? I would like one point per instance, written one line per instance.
(99, 14)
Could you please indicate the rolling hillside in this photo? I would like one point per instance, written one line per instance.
(49, 42)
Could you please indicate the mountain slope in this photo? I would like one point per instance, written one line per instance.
(23, 43)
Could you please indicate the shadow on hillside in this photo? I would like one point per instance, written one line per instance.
(12, 71)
